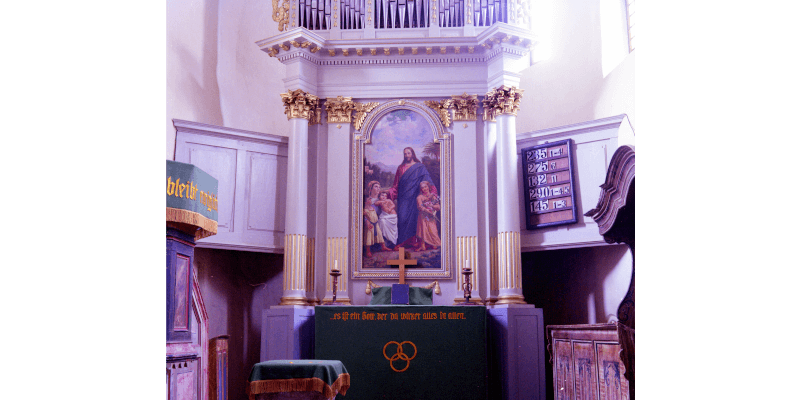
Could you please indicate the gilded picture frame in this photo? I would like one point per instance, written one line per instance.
(420, 198)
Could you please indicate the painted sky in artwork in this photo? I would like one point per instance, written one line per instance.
(395, 131)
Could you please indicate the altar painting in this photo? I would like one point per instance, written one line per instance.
(401, 191)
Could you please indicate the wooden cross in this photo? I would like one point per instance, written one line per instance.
(402, 262)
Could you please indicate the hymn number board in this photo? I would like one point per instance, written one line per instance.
(549, 187)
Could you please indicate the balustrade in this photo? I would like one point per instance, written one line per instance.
(397, 14)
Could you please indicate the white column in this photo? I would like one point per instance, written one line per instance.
(506, 104)
(508, 246)
(339, 113)
(301, 108)
(465, 190)
(489, 197)
(295, 247)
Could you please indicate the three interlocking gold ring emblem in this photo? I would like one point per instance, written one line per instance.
(399, 355)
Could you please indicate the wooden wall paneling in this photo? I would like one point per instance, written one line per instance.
(252, 170)
(219, 162)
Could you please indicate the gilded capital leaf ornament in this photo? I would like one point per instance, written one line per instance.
(299, 104)
(339, 109)
(502, 100)
(465, 107)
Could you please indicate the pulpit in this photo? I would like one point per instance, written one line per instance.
(597, 360)
(190, 215)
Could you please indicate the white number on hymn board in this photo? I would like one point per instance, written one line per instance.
(542, 153)
(544, 206)
(541, 167)
(547, 192)
(542, 179)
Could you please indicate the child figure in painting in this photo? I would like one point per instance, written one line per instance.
(372, 230)
(387, 220)
(428, 205)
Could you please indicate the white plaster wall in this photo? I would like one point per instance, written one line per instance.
(569, 86)
(249, 80)
(215, 72)
(192, 91)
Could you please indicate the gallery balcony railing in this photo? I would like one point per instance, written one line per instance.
(412, 17)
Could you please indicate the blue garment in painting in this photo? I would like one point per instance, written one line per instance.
(407, 192)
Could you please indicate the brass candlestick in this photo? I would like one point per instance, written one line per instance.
(335, 274)
(467, 284)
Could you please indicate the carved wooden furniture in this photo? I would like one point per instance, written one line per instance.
(597, 361)
(586, 362)
(190, 215)
(615, 216)
(218, 371)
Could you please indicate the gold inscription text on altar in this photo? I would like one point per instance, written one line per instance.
(402, 316)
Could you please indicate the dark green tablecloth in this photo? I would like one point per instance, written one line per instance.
(405, 352)
(328, 377)
(417, 296)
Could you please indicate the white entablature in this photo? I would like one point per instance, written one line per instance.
(402, 67)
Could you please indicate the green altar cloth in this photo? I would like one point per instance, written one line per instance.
(406, 352)
(328, 377)
(417, 296)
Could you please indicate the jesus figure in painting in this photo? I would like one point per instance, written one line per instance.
(410, 173)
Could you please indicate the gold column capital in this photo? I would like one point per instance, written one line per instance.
(503, 100)
(465, 107)
(299, 104)
(339, 109)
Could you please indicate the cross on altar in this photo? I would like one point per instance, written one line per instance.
(402, 262)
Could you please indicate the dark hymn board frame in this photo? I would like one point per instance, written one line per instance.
(547, 171)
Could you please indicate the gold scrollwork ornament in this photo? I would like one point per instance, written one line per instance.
(362, 109)
(442, 108)
(280, 13)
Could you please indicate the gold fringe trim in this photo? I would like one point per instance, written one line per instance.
(208, 227)
(299, 385)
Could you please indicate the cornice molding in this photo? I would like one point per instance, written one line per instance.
(231, 133)
(589, 126)
(499, 38)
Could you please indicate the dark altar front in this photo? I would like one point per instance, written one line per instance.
(406, 352)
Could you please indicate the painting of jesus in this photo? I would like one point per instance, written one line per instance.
(401, 191)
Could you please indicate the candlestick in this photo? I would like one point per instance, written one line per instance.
(467, 271)
(335, 275)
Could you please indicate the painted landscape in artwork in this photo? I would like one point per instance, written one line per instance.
(401, 192)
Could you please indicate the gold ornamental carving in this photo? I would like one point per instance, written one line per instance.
(339, 109)
(465, 107)
(442, 108)
(362, 109)
(500, 101)
(280, 13)
(299, 104)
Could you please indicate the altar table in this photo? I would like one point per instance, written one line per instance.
(298, 379)
(407, 352)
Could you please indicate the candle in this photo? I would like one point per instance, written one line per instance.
(336, 265)
(467, 265)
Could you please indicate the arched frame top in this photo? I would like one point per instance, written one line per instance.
(364, 137)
